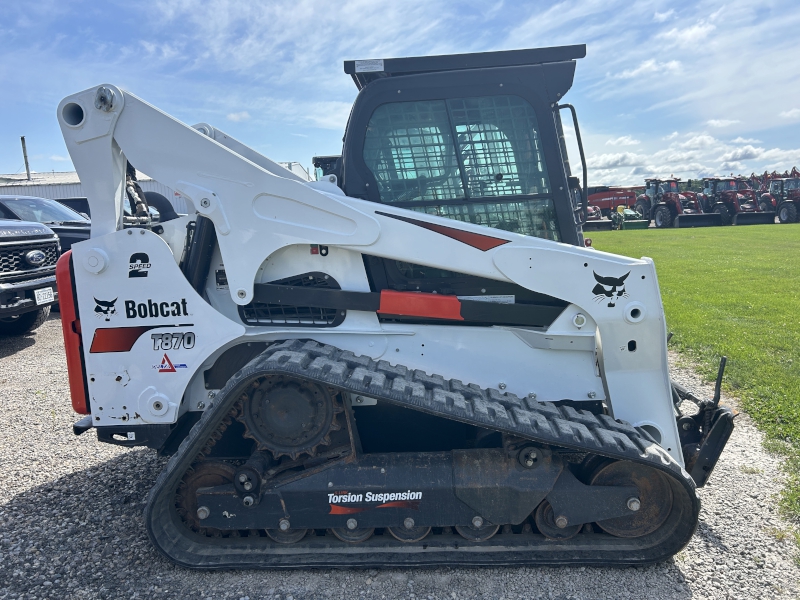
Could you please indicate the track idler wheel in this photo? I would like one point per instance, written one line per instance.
(548, 524)
(288, 536)
(204, 474)
(654, 502)
(409, 533)
(479, 531)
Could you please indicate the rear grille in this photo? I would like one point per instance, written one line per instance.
(13, 263)
(261, 313)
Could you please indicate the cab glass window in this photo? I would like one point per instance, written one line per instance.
(410, 150)
(478, 160)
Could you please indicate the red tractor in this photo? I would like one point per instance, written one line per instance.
(783, 197)
(664, 204)
(734, 200)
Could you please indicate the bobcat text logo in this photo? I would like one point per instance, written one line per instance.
(609, 288)
(153, 309)
(139, 265)
(105, 308)
(167, 366)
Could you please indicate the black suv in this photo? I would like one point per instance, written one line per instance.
(28, 256)
(70, 226)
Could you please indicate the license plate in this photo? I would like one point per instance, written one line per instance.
(44, 295)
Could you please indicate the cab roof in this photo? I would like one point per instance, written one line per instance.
(365, 72)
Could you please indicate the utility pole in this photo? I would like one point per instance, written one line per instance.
(25, 156)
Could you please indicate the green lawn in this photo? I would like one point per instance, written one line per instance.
(735, 291)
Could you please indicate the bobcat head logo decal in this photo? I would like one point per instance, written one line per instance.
(105, 308)
(609, 288)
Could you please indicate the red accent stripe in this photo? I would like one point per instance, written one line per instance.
(346, 510)
(476, 240)
(418, 304)
(71, 329)
(412, 504)
(117, 339)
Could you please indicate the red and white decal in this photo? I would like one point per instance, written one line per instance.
(167, 366)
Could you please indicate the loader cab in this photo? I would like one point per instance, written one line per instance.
(475, 137)
(666, 187)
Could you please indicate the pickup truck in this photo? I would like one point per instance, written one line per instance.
(28, 255)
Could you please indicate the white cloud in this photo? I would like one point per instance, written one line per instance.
(743, 153)
(734, 166)
(58, 158)
(741, 140)
(721, 122)
(672, 155)
(689, 36)
(664, 16)
(702, 140)
(237, 117)
(302, 135)
(610, 161)
(791, 114)
(649, 66)
(625, 140)
(671, 136)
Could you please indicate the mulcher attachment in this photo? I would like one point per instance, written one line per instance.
(564, 486)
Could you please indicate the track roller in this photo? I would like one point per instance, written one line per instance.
(409, 534)
(478, 531)
(288, 536)
(354, 535)
(548, 524)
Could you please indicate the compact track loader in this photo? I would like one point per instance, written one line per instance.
(413, 361)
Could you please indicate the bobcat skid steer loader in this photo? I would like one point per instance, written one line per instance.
(412, 361)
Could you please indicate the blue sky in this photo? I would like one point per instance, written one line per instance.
(690, 88)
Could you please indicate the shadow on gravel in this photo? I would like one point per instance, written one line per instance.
(83, 535)
(83, 532)
(11, 345)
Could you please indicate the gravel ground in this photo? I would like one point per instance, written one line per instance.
(71, 524)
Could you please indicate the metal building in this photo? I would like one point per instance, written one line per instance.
(62, 185)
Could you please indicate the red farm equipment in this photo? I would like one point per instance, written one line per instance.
(783, 197)
(734, 200)
(607, 199)
(666, 206)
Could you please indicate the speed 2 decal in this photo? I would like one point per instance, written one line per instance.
(173, 341)
(609, 288)
(139, 265)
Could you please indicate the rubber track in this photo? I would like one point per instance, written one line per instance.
(542, 422)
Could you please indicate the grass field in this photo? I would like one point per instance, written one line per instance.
(735, 291)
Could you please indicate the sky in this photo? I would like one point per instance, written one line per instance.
(667, 87)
